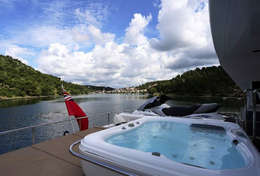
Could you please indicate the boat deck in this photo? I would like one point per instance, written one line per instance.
(50, 158)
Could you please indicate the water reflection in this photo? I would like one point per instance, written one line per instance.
(20, 102)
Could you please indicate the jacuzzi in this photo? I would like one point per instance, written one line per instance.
(170, 146)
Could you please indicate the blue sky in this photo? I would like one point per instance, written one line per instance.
(20, 15)
(113, 42)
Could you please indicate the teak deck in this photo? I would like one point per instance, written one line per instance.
(49, 158)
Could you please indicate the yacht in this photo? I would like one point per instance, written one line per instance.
(172, 146)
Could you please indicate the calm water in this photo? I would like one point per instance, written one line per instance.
(22, 113)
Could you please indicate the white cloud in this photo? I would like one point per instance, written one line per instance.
(109, 63)
(135, 31)
(84, 53)
(78, 36)
(181, 26)
(87, 17)
(184, 39)
(99, 37)
(185, 34)
(95, 14)
(43, 36)
(61, 22)
(18, 53)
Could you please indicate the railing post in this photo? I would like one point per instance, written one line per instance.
(33, 135)
(108, 118)
(254, 114)
(71, 121)
(80, 123)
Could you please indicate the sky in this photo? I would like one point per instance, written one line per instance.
(117, 43)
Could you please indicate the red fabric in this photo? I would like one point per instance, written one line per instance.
(83, 123)
(74, 110)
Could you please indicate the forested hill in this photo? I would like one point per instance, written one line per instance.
(18, 79)
(208, 81)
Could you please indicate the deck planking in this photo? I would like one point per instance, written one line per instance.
(50, 158)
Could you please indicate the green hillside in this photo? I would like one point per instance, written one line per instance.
(19, 80)
(208, 81)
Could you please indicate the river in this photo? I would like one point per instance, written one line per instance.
(21, 113)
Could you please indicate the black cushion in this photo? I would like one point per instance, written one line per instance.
(180, 110)
(207, 108)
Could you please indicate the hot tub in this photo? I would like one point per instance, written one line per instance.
(171, 146)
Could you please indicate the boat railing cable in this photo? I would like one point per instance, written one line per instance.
(34, 127)
(49, 123)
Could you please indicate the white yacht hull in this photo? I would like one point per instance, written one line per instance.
(235, 28)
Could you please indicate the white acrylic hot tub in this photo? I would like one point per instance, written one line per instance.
(170, 146)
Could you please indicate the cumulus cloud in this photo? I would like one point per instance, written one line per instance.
(99, 37)
(135, 31)
(84, 53)
(183, 62)
(108, 63)
(18, 53)
(181, 25)
(185, 33)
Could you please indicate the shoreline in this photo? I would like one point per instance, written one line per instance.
(205, 96)
(157, 94)
(32, 97)
(24, 98)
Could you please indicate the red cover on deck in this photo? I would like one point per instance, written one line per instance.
(74, 110)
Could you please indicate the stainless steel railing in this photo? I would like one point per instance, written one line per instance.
(33, 127)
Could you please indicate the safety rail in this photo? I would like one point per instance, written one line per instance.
(33, 127)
